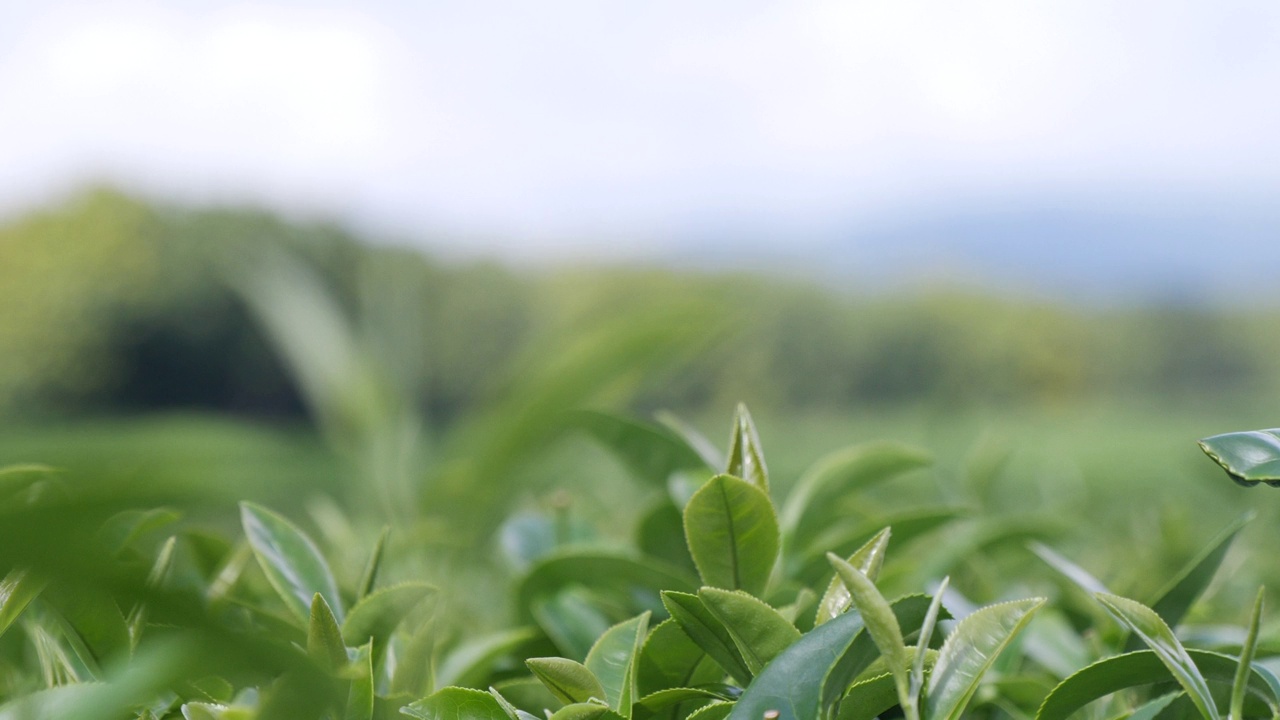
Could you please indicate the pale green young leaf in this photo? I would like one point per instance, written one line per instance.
(568, 680)
(1241, 682)
(513, 712)
(868, 559)
(292, 563)
(360, 694)
(746, 459)
(324, 638)
(732, 533)
(585, 711)
(916, 685)
(455, 703)
(759, 632)
(1156, 634)
(612, 660)
(881, 623)
(970, 650)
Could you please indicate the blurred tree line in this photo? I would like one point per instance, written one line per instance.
(112, 304)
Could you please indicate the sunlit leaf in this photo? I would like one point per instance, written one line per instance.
(969, 651)
(1156, 634)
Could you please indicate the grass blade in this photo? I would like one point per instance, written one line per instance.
(1241, 681)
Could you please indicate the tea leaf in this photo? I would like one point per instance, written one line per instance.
(1156, 634)
(706, 630)
(1145, 667)
(324, 639)
(377, 615)
(290, 561)
(569, 681)
(1248, 457)
(746, 459)
(732, 533)
(970, 650)
(612, 661)
(454, 703)
(758, 631)
(868, 559)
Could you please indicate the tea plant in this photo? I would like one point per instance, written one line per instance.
(729, 605)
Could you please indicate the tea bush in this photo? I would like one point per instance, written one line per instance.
(734, 601)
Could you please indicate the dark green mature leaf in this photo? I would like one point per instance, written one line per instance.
(1177, 597)
(792, 685)
(470, 663)
(291, 562)
(746, 458)
(631, 580)
(969, 651)
(868, 559)
(1248, 457)
(324, 638)
(868, 698)
(1156, 634)
(612, 661)
(732, 533)
(378, 614)
(1144, 667)
(650, 451)
(1151, 709)
(17, 590)
(706, 630)
(758, 631)
(669, 659)
(842, 472)
(568, 680)
(455, 703)
(911, 611)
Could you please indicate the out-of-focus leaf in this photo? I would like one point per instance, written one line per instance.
(840, 539)
(360, 695)
(455, 703)
(571, 620)
(17, 590)
(528, 537)
(746, 458)
(612, 661)
(842, 472)
(758, 631)
(378, 614)
(1080, 577)
(971, 648)
(324, 638)
(1240, 684)
(630, 580)
(652, 452)
(1248, 457)
(91, 622)
(1052, 642)
(1177, 597)
(732, 533)
(705, 630)
(291, 562)
(868, 559)
(1152, 708)
(706, 450)
(661, 535)
(568, 680)
(1144, 667)
(415, 673)
(1156, 634)
(123, 528)
(470, 663)
(370, 574)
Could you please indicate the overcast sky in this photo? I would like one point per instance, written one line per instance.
(531, 127)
